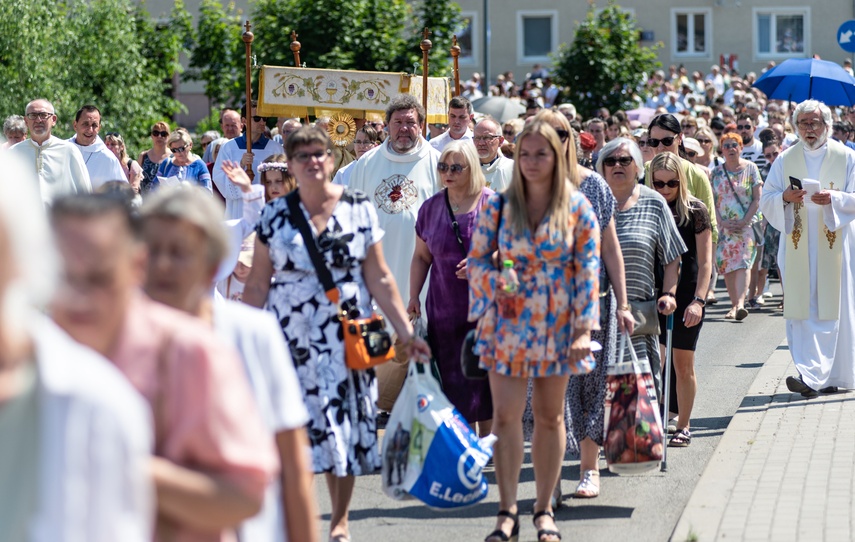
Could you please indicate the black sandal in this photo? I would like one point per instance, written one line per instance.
(681, 439)
(500, 534)
(545, 532)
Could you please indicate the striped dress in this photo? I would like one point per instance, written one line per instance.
(648, 238)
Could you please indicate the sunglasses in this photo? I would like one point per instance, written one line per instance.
(611, 161)
(667, 141)
(642, 144)
(704, 141)
(562, 135)
(256, 118)
(113, 134)
(442, 167)
(730, 146)
(691, 154)
(304, 157)
(662, 184)
(159, 133)
(771, 155)
(744, 127)
(509, 133)
(178, 149)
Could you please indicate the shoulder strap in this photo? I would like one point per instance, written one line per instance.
(295, 216)
(733, 188)
(454, 225)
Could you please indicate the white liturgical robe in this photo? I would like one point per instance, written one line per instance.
(234, 150)
(822, 345)
(59, 166)
(102, 164)
(498, 173)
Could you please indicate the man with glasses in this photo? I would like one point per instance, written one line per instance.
(236, 151)
(752, 148)
(460, 116)
(58, 163)
(287, 126)
(496, 167)
(102, 164)
(815, 214)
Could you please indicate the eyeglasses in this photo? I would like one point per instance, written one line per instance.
(156, 133)
(744, 127)
(485, 138)
(687, 125)
(812, 126)
(704, 141)
(361, 142)
(39, 116)
(642, 143)
(771, 155)
(611, 161)
(730, 146)
(509, 133)
(205, 144)
(562, 135)
(442, 167)
(667, 141)
(304, 157)
(178, 149)
(691, 154)
(256, 118)
(662, 184)
(113, 134)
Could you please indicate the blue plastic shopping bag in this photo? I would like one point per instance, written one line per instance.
(429, 451)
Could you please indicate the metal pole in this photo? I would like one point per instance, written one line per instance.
(486, 78)
(426, 47)
(247, 39)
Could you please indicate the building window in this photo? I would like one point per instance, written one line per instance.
(781, 33)
(467, 38)
(691, 32)
(537, 35)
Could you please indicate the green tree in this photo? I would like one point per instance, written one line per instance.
(605, 66)
(442, 19)
(217, 56)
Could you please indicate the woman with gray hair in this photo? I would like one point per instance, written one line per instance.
(14, 130)
(183, 165)
(646, 231)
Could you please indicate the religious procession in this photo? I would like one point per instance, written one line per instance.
(450, 290)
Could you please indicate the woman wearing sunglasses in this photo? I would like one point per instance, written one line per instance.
(132, 170)
(441, 249)
(646, 232)
(737, 187)
(150, 160)
(641, 135)
(183, 164)
(693, 223)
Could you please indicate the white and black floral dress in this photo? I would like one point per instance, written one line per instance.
(341, 403)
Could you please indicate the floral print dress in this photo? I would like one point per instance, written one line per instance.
(341, 402)
(736, 249)
(559, 292)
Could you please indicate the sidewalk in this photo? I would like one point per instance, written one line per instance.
(783, 471)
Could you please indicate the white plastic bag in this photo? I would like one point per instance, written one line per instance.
(429, 451)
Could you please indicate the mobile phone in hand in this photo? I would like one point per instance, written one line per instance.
(795, 183)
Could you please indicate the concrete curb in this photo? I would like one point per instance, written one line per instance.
(702, 517)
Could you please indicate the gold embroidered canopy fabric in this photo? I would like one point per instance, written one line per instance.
(297, 92)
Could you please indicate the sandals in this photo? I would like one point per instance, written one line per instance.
(553, 534)
(589, 487)
(681, 439)
(741, 314)
(731, 314)
(502, 535)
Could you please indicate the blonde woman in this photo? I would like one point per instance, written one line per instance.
(133, 171)
(183, 164)
(536, 316)
(693, 223)
(150, 159)
(441, 248)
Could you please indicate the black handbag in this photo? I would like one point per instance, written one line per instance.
(469, 360)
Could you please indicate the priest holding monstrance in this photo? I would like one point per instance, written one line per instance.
(809, 196)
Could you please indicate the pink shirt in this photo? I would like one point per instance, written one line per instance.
(205, 416)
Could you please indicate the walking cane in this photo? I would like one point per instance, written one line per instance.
(669, 327)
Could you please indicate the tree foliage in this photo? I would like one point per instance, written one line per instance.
(217, 56)
(605, 66)
(103, 52)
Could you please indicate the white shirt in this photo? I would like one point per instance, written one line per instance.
(101, 163)
(499, 173)
(439, 142)
(96, 442)
(233, 150)
(59, 166)
(258, 338)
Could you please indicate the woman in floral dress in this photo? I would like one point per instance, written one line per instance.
(547, 228)
(343, 428)
(736, 186)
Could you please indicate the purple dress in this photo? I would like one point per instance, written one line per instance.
(447, 304)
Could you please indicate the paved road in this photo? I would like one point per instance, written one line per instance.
(643, 508)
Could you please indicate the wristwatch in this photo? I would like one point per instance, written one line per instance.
(700, 300)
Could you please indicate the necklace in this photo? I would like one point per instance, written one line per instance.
(456, 206)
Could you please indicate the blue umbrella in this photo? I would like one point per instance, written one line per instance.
(799, 79)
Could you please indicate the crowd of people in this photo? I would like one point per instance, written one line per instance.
(174, 352)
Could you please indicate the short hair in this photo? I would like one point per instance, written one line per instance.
(97, 205)
(717, 123)
(809, 106)
(212, 134)
(86, 109)
(306, 135)
(477, 181)
(195, 206)
(243, 108)
(31, 102)
(179, 135)
(730, 136)
(488, 118)
(613, 146)
(14, 124)
(460, 102)
(405, 102)
(595, 120)
(766, 134)
(707, 131)
(745, 116)
(369, 131)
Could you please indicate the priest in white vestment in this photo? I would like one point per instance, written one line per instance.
(497, 168)
(57, 163)
(816, 251)
(101, 163)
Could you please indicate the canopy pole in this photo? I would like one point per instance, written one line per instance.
(455, 52)
(247, 39)
(426, 47)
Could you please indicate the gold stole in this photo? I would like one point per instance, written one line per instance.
(829, 253)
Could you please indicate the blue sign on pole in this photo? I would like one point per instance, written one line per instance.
(846, 36)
